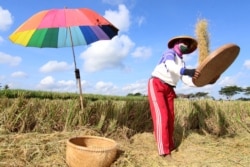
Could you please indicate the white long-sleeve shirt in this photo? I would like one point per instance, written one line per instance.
(169, 69)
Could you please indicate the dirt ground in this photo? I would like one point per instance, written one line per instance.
(33, 149)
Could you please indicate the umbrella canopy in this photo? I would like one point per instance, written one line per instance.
(57, 28)
(63, 28)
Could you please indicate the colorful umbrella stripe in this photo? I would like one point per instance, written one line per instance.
(57, 27)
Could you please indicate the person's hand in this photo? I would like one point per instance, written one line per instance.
(189, 72)
(196, 74)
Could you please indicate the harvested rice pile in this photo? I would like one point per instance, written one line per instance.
(33, 149)
(202, 35)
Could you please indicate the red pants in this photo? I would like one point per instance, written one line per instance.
(161, 99)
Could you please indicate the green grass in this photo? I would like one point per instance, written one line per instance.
(15, 93)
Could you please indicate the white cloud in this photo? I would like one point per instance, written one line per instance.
(120, 18)
(109, 88)
(5, 19)
(50, 84)
(247, 64)
(68, 85)
(227, 81)
(142, 52)
(140, 20)
(19, 74)
(137, 87)
(107, 54)
(110, 54)
(105, 88)
(54, 66)
(190, 59)
(49, 80)
(10, 60)
(185, 89)
(2, 77)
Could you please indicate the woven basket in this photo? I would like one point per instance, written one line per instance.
(90, 151)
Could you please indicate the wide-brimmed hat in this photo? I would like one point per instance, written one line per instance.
(192, 42)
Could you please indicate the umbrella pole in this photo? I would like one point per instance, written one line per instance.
(77, 71)
(78, 78)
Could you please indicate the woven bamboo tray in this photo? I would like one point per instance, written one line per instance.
(90, 151)
(216, 63)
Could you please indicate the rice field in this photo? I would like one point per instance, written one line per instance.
(34, 131)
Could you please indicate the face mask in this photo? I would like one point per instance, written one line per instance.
(183, 48)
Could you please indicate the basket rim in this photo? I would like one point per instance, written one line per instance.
(103, 149)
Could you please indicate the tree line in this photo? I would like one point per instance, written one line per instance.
(5, 87)
(230, 91)
(227, 91)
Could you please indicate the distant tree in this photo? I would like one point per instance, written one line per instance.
(137, 94)
(130, 94)
(201, 94)
(230, 91)
(6, 87)
(190, 95)
(247, 91)
(243, 99)
(181, 95)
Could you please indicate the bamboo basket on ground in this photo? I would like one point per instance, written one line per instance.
(90, 151)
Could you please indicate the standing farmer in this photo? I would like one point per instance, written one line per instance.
(161, 94)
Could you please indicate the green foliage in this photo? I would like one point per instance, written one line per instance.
(201, 94)
(6, 87)
(247, 91)
(197, 95)
(16, 93)
(230, 91)
(135, 94)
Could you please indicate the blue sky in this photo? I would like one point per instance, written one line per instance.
(145, 28)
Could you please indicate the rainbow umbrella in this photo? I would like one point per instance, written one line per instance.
(57, 28)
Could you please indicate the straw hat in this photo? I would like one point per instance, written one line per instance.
(192, 42)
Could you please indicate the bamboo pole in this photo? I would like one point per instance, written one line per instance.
(77, 72)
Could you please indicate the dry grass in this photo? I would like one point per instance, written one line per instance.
(32, 149)
(196, 150)
(207, 132)
(36, 149)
